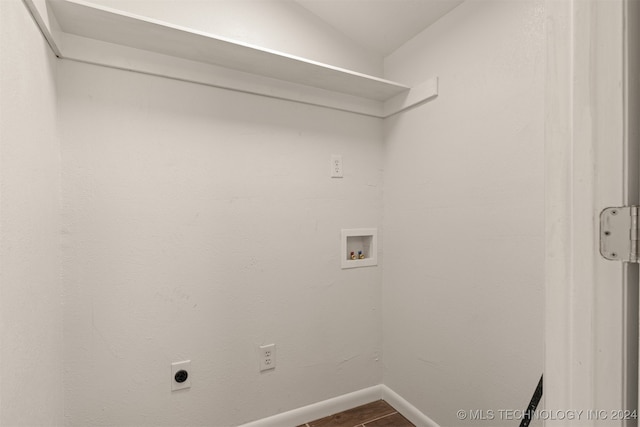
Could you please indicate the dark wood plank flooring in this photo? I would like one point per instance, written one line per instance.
(374, 414)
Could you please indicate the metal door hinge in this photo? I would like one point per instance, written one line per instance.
(619, 233)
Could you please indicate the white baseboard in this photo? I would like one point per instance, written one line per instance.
(407, 410)
(331, 406)
(325, 408)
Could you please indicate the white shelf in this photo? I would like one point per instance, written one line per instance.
(112, 26)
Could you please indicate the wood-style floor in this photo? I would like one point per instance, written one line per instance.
(374, 414)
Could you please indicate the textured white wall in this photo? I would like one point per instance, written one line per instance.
(281, 25)
(463, 215)
(198, 224)
(31, 390)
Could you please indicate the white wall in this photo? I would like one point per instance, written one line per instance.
(284, 26)
(198, 224)
(463, 215)
(31, 388)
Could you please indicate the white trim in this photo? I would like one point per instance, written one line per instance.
(405, 408)
(43, 25)
(342, 403)
(584, 158)
(632, 192)
(320, 409)
(558, 195)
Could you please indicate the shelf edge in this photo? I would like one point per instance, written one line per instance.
(423, 92)
(43, 22)
(89, 51)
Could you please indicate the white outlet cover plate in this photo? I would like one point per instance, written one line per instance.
(336, 166)
(267, 357)
(178, 366)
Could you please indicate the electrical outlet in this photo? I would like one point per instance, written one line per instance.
(180, 375)
(336, 166)
(267, 357)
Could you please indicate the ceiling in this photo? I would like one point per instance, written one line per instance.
(380, 26)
